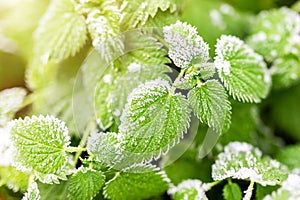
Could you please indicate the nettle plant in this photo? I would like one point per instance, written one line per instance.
(149, 86)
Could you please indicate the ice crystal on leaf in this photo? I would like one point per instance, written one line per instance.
(243, 161)
(189, 190)
(242, 71)
(210, 104)
(290, 189)
(32, 193)
(105, 147)
(39, 144)
(185, 45)
(85, 184)
(165, 119)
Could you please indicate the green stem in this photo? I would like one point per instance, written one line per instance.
(202, 65)
(91, 127)
(212, 184)
(29, 99)
(74, 149)
(248, 192)
(173, 88)
(161, 40)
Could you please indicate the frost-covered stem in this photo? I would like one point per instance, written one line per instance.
(212, 184)
(248, 192)
(89, 129)
(173, 88)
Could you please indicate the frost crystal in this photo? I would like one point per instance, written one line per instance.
(134, 67)
(32, 193)
(185, 45)
(39, 144)
(190, 189)
(290, 189)
(241, 70)
(243, 161)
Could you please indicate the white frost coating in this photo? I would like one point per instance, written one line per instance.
(107, 78)
(6, 149)
(134, 67)
(243, 161)
(142, 118)
(185, 45)
(32, 193)
(190, 186)
(291, 186)
(225, 45)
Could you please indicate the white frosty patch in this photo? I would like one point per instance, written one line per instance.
(134, 67)
(190, 187)
(107, 78)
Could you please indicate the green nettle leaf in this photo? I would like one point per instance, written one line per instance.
(242, 71)
(185, 45)
(40, 144)
(161, 19)
(61, 32)
(209, 102)
(285, 71)
(104, 29)
(289, 190)
(275, 33)
(232, 192)
(189, 190)
(32, 193)
(136, 12)
(290, 157)
(137, 182)
(153, 120)
(85, 184)
(105, 147)
(10, 102)
(243, 161)
(14, 179)
(135, 75)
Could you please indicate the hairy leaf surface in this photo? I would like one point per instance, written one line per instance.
(85, 184)
(242, 71)
(137, 182)
(40, 144)
(210, 104)
(61, 33)
(243, 161)
(153, 120)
